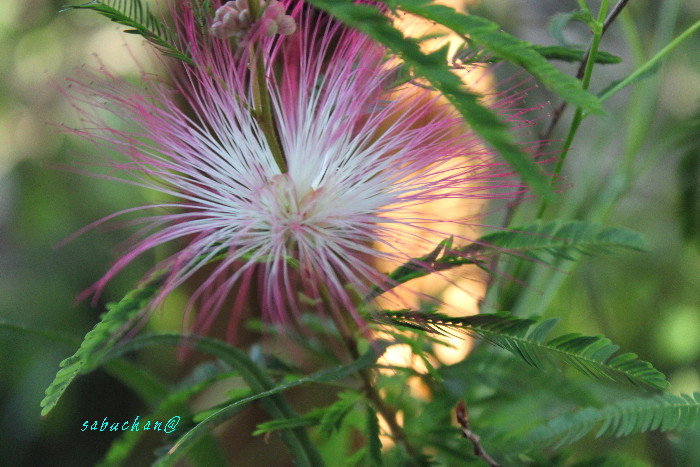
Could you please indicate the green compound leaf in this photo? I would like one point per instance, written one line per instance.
(488, 35)
(265, 391)
(562, 239)
(138, 17)
(173, 402)
(664, 412)
(441, 258)
(112, 326)
(433, 67)
(328, 418)
(296, 440)
(591, 355)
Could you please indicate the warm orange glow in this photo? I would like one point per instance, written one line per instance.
(460, 291)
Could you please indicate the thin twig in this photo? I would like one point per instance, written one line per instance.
(463, 420)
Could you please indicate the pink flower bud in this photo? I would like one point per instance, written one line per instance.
(233, 19)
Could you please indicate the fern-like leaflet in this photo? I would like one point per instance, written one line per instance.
(663, 412)
(138, 17)
(557, 239)
(591, 355)
(99, 341)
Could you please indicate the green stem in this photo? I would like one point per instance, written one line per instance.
(300, 446)
(387, 413)
(644, 95)
(345, 326)
(585, 82)
(651, 63)
(262, 108)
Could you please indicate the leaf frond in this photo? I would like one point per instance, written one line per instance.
(593, 356)
(488, 35)
(112, 326)
(561, 239)
(663, 412)
(139, 19)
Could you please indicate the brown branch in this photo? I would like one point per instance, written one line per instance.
(463, 420)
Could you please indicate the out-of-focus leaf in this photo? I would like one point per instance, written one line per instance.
(663, 412)
(433, 67)
(572, 54)
(557, 23)
(689, 195)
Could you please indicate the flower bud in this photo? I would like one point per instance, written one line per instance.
(233, 19)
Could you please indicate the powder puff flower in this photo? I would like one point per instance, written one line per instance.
(359, 162)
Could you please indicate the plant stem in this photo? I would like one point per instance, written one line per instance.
(387, 413)
(463, 420)
(559, 111)
(262, 108)
(651, 63)
(585, 83)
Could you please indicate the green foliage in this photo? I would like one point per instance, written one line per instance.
(434, 68)
(663, 412)
(591, 355)
(572, 54)
(100, 340)
(488, 35)
(557, 23)
(264, 390)
(328, 418)
(296, 439)
(689, 195)
(372, 445)
(648, 67)
(441, 258)
(500, 391)
(138, 17)
(334, 414)
(174, 402)
(561, 239)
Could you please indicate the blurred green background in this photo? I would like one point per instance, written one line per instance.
(646, 303)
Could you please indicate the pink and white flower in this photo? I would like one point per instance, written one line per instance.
(361, 162)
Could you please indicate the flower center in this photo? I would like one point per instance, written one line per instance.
(291, 214)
